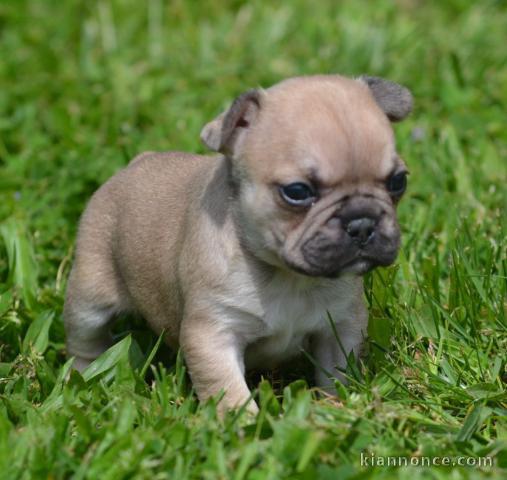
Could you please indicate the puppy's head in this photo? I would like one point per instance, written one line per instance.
(315, 171)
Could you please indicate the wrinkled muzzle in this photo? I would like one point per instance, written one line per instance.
(358, 237)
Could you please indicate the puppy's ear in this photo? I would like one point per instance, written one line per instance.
(221, 133)
(395, 100)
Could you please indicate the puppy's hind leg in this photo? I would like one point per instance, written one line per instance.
(93, 300)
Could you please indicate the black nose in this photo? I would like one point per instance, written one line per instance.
(361, 230)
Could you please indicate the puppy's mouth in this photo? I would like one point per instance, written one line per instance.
(324, 256)
(360, 265)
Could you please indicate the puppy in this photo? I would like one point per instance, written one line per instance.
(238, 257)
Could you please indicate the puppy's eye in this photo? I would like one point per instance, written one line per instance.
(299, 194)
(397, 183)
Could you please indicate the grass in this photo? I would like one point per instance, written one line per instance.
(85, 85)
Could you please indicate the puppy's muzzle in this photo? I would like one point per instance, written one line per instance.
(357, 238)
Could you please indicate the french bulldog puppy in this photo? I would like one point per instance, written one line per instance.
(239, 256)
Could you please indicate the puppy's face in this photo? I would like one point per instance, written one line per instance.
(316, 172)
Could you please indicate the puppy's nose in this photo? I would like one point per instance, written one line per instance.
(361, 230)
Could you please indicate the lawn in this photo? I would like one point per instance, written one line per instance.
(86, 85)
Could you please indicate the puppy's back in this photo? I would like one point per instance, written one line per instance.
(131, 232)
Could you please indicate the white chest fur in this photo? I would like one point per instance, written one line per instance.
(274, 318)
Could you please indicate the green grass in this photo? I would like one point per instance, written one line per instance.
(85, 85)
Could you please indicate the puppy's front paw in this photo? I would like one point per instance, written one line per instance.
(249, 409)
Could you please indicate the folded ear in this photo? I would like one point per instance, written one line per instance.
(395, 100)
(222, 133)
